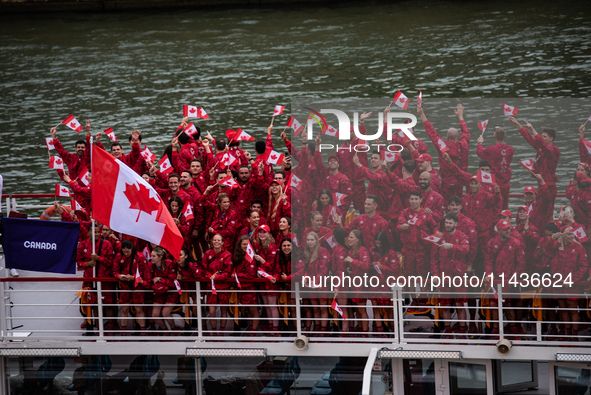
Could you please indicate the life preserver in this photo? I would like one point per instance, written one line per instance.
(51, 211)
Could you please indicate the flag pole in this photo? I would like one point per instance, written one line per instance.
(272, 120)
(586, 122)
(57, 125)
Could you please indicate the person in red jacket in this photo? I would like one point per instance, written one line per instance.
(379, 182)
(456, 147)
(163, 275)
(584, 147)
(424, 164)
(570, 262)
(176, 207)
(314, 264)
(245, 270)
(530, 235)
(134, 275)
(401, 188)
(547, 154)
(540, 206)
(359, 260)
(499, 156)
(223, 220)
(279, 206)
(449, 258)
(217, 264)
(266, 255)
(77, 163)
(284, 230)
(324, 205)
(579, 194)
(285, 265)
(187, 275)
(505, 255)
(432, 201)
(97, 264)
(340, 268)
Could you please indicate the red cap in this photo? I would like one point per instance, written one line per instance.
(274, 181)
(503, 224)
(526, 208)
(265, 228)
(230, 134)
(582, 177)
(425, 157)
(332, 157)
(506, 213)
(529, 189)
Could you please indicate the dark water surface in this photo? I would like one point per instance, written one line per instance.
(136, 70)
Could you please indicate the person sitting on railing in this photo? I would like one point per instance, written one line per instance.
(163, 274)
(504, 255)
(245, 271)
(217, 264)
(570, 259)
(314, 264)
(265, 251)
(386, 263)
(97, 263)
(132, 271)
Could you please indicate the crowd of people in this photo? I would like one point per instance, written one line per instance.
(347, 214)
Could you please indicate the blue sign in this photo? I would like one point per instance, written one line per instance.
(41, 246)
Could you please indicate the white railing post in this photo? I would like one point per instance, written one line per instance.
(400, 328)
(396, 313)
(298, 311)
(3, 319)
(99, 301)
(199, 315)
(500, 309)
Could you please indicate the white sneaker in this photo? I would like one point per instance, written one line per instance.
(14, 273)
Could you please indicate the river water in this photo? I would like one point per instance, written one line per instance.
(136, 70)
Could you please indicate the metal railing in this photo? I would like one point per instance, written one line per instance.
(30, 311)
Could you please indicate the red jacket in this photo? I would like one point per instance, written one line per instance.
(572, 260)
(413, 237)
(402, 188)
(77, 165)
(500, 157)
(104, 266)
(123, 265)
(546, 157)
(369, 227)
(453, 261)
(581, 201)
(480, 208)
(219, 264)
(506, 257)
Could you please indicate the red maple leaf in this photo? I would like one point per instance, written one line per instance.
(73, 124)
(486, 176)
(139, 199)
(58, 161)
(192, 110)
(273, 156)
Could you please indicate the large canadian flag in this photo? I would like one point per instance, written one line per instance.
(126, 203)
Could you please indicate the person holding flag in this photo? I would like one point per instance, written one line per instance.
(341, 268)
(314, 264)
(163, 273)
(222, 220)
(245, 269)
(134, 275)
(182, 218)
(77, 163)
(359, 261)
(279, 206)
(379, 182)
(187, 273)
(324, 204)
(217, 264)
(540, 207)
(500, 156)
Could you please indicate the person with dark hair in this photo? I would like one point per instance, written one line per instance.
(187, 273)
(386, 264)
(401, 188)
(170, 186)
(235, 150)
(246, 270)
(77, 163)
(163, 275)
(261, 148)
(379, 182)
(583, 151)
(217, 264)
(325, 206)
(530, 235)
(284, 229)
(433, 202)
(449, 257)
(547, 154)
(539, 205)
(286, 255)
(455, 146)
(505, 255)
(579, 194)
(369, 223)
(500, 156)
(222, 220)
(132, 271)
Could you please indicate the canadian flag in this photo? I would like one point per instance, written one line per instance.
(335, 307)
(188, 212)
(249, 255)
(85, 179)
(126, 203)
(148, 155)
(587, 145)
(264, 274)
(111, 133)
(530, 208)
(190, 129)
(228, 160)
(62, 191)
(55, 162)
(296, 182)
(137, 276)
(278, 110)
(414, 220)
(331, 131)
(165, 166)
(202, 114)
(189, 111)
(76, 206)
(442, 146)
(589, 119)
(229, 181)
(528, 164)
(482, 125)
(273, 157)
(509, 110)
(241, 135)
(49, 143)
(72, 123)
(401, 100)
(295, 241)
(388, 156)
(375, 266)
(485, 177)
(213, 290)
(420, 98)
(295, 125)
(329, 238)
(146, 253)
(332, 211)
(581, 234)
(338, 198)
(433, 239)
(178, 287)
